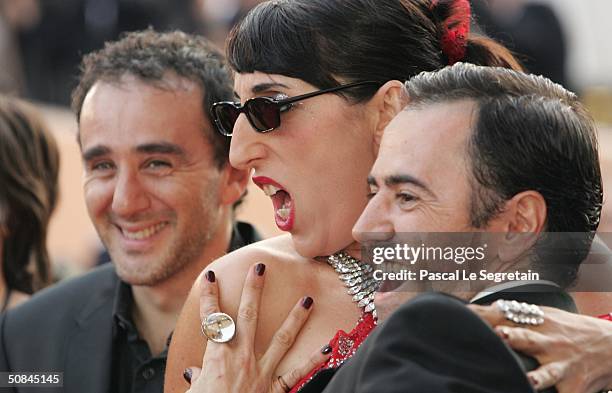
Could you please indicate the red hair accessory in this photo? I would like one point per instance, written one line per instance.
(456, 29)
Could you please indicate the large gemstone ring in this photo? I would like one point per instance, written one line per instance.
(219, 327)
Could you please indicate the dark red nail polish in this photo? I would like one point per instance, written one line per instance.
(533, 380)
(307, 302)
(210, 276)
(260, 268)
(187, 375)
(326, 349)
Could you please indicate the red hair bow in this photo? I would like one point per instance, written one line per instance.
(456, 29)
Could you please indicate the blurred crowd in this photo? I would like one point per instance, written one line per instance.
(41, 42)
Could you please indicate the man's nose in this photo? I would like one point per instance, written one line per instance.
(375, 223)
(129, 197)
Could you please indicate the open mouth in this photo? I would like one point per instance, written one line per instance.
(144, 233)
(284, 212)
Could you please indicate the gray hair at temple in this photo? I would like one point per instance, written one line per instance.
(528, 134)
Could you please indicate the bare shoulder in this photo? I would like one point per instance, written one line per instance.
(277, 254)
(273, 251)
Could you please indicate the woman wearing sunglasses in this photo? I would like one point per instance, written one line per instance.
(316, 82)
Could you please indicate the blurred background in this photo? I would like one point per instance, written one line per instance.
(42, 41)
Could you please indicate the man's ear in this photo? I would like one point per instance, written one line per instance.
(233, 184)
(524, 219)
(389, 100)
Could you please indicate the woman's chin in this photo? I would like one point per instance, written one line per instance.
(304, 248)
(310, 247)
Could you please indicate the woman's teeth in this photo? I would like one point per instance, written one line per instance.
(270, 190)
(285, 210)
(283, 213)
(145, 233)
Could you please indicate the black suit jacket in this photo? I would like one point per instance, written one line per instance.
(434, 343)
(69, 328)
(66, 328)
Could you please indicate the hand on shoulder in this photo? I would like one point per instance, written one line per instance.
(230, 271)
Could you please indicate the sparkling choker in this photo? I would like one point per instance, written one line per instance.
(357, 277)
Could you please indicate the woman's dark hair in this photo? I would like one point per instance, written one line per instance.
(327, 42)
(29, 166)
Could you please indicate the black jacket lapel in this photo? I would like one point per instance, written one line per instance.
(89, 351)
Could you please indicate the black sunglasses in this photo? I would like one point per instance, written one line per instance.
(264, 112)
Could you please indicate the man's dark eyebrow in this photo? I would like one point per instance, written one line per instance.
(372, 181)
(161, 148)
(95, 152)
(394, 180)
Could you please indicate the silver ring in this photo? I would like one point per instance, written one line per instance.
(521, 313)
(218, 327)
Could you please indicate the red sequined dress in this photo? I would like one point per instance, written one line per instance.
(343, 346)
(357, 277)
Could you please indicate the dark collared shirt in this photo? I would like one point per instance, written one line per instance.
(135, 369)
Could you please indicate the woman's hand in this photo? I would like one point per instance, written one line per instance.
(233, 366)
(574, 351)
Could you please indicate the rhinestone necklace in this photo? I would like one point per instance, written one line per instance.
(357, 277)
